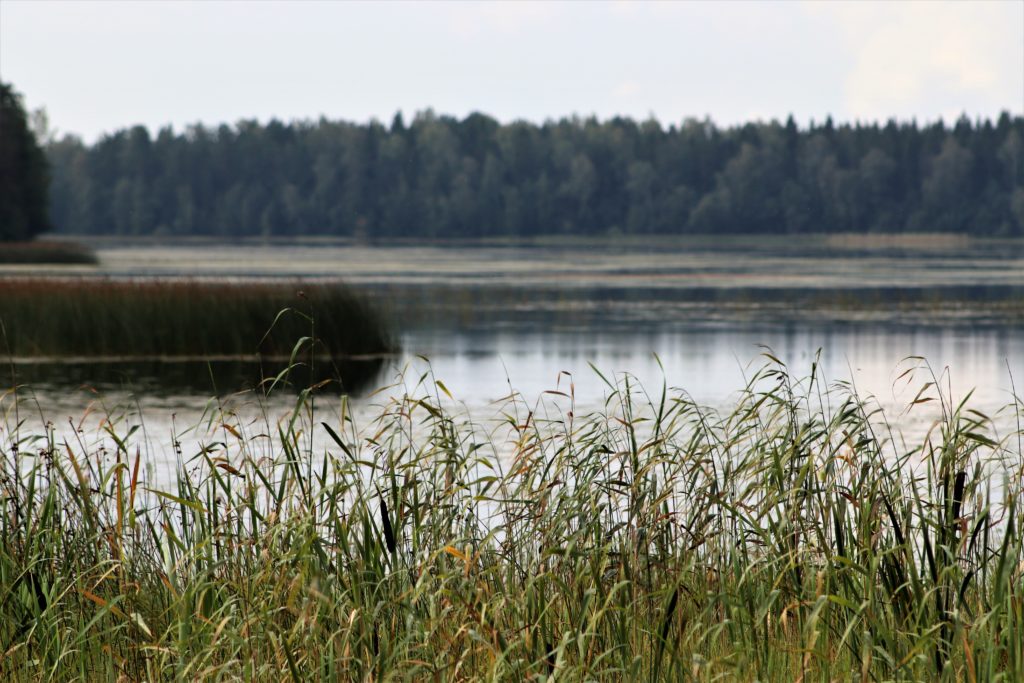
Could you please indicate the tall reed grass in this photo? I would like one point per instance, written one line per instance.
(146, 318)
(46, 251)
(792, 537)
(150, 323)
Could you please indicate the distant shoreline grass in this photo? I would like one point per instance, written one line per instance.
(47, 252)
(152, 320)
(793, 536)
(917, 241)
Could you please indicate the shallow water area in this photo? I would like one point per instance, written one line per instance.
(531, 319)
(550, 375)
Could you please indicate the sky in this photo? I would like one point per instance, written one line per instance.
(100, 66)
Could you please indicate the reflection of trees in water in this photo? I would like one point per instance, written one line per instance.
(216, 377)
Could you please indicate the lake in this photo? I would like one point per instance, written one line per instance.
(695, 315)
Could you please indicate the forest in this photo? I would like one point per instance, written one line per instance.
(439, 177)
(23, 173)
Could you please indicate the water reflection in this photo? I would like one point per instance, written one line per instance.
(711, 364)
(192, 377)
(481, 367)
(493, 320)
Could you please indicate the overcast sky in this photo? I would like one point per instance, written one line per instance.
(100, 66)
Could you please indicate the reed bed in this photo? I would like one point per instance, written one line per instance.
(792, 537)
(163, 323)
(46, 251)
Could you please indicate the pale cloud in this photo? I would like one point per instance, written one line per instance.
(626, 90)
(473, 19)
(624, 7)
(905, 52)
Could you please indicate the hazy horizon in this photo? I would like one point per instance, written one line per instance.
(409, 117)
(98, 67)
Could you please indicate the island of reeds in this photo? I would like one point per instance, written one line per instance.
(795, 536)
(269, 326)
(46, 252)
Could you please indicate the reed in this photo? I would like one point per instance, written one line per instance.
(792, 537)
(159, 321)
(46, 251)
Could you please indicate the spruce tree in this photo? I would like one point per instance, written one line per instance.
(24, 174)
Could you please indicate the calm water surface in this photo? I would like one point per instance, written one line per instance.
(494, 320)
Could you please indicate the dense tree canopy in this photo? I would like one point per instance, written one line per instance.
(442, 177)
(24, 178)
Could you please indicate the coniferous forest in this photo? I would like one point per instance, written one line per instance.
(23, 173)
(441, 177)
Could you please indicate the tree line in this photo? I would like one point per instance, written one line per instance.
(442, 177)
(23, 173)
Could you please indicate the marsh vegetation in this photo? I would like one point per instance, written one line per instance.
(791, 529)
(793, 536)
(256, 329)
(46, 252)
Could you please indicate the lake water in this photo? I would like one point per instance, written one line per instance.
(695, 316)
